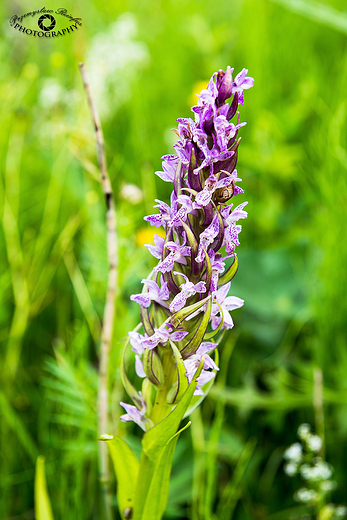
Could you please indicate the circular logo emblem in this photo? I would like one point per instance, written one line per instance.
(46, 22)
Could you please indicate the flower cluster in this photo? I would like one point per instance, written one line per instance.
(184, 302)
(303, 458)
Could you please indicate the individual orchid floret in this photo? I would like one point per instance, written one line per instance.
(230, 217)
(207, 237)
(138, 416)
(231, 238)
(177, 254)
(187, 289)
(217, 267)
(157, 249)
(226, 303)
(241, 83)
(191, 364)
(162, 335)
(225, 131)
(136, 342)
(186, 208)
(166, 213)
(154, 294)
(169, 164)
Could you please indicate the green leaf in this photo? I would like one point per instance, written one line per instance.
(191, 239)
(181, 373)
(158, 492)
(199, 335)
(155, 440)
(43, 508)
(146, 321)
(126, 467)
(162, 432)
(129, 388)
(230, 273)
(208, 271)
(214, 333)
(181, 315)
(153, 368)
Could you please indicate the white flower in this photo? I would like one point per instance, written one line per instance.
(114, 59)
(314, 442)
(306, 496)
(327, 485)
(131, 193)
(294, 452)
(341, 511)
(320, 471)
(304, 430)
(291, 469)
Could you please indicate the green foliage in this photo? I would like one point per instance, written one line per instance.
(126, 467)
(43, 508)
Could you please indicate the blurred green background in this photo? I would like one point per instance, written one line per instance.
(146, 59)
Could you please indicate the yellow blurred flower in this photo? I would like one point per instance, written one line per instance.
(198, 87)
(145, 235)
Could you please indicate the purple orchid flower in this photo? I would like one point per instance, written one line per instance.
(162, 335)
(217, 267)
(169, 165)
(227, 303)
(241, 83)
(187, 289)
(157, 249)
(186, 208)
(202, 230)
(154, 294)
(177, 254)
(207, 237)
(138, 416)
(191, 364)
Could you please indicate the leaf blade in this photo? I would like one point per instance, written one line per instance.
(126, 467)
(43, 508)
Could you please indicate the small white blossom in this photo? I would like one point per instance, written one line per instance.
(341, 511)
(131, 193)
(314, 442)
(303, 431)
(291, 469)
(327, 485)
(294, 452)
(320, 471)
(115, 58)
(306, 496)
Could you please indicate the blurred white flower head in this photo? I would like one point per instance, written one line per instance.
(114, 59)
(131, 193)
(303, 431)
(314, 442)
(294, 452)
(341, 511)
(320, 471)
(291, 469)
(305, 495)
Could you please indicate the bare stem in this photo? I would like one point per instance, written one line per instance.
(318, 405)
(109, 311)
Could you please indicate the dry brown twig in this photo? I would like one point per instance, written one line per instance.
(109, 312)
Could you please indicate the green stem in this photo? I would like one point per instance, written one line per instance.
(161, 408)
